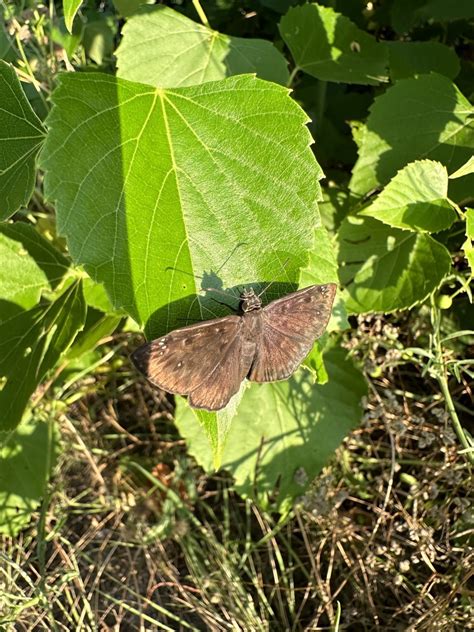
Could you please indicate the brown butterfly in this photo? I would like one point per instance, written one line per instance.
(208, 361)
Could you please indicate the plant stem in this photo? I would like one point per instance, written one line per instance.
(441, 374)
(200, 12)
(292, 76)
(321, 103)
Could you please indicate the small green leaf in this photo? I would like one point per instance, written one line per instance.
(30, 265)
(408, 59)
(314, 362)
(297, 428)
(466, 169)
(425, 117)
(415, 199)
(98, 37)
(21, 138)
(31, 343)
(164, 48)
(468, 245)
(70, 8)
(126, 8)
(27, 456)
(385, 269)
(328, 46)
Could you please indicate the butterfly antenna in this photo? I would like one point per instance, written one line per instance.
(241, 243)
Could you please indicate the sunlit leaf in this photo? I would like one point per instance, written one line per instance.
(299, 427)
(425, 117)
(328, 46)
(165, 48)
(384, 268)
(415, 199)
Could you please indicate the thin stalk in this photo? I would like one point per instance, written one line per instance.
(292, 76)
(200, 12)
(441, 375)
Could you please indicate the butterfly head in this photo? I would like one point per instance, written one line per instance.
(249, 301)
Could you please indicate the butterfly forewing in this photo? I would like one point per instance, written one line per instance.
(290, 326)
(185, 358)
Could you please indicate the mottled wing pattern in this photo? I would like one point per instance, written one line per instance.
(224, 381)
(290, 326)
(186, 359)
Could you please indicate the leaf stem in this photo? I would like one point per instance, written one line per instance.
(321, 90)
(292, 76)
(441, 375)
(200, 12)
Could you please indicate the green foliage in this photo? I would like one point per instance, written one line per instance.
(327, 45)
(284, 432)
(27, 456)
(385, 269)
(21, 138)
(438, 124)
(70, 7)
(164, 48)
(31, 343)
(203, 176)
(415, 199)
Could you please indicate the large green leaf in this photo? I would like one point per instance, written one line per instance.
(155, 189)
(30, 265)
(163, 192)
(31, 343)
(408, 59)
(20, 140)
(384, 268)
(284, 431)
(27, 455)
(328, 46)
(415, 199)
(164, 48)
(425, 117)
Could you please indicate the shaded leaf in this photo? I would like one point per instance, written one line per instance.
(31, 343)
(426, 117)
(384, 268)
(328, 46)
(407, 59)
(415, 199)
(298, 428)
(407, 14)
(164, 48)
(30, 265)
(27, 456)
(21, 139)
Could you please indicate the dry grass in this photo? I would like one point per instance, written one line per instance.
(135, 537)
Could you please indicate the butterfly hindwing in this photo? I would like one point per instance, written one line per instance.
(181, 361)
(291, 324)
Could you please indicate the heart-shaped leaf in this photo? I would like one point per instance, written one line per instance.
(415, 199)
(328, 46)
(430, 113)
(165, 48)
(384, 268)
